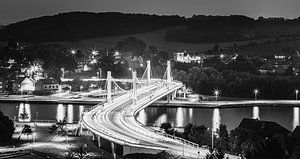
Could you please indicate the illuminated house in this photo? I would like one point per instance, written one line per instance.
(23, 85)
(48, 85)
(184, 57)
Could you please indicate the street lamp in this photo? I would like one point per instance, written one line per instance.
(73, 52)
(255, 92)
(81, 88)
(217, 93)
(296, 92)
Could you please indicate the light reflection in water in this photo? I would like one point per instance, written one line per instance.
(161, 119)
(191, 115)
(216, 121)
(142, 117)
(255, 112)
(24, 113)
(179, 117)
(295, 117)
(60, 112)
(70, 113)
(81, 109)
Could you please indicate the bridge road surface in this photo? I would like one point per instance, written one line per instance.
(116, 122)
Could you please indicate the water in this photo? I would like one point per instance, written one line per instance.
(287, 117)
(55, 112)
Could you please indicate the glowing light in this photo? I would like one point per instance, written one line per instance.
(141, 65)
(222, 56)
(73, 52)
(217, 93)
(70, 113)
(129, 68)
(94, 52)
(216, 119)
(117, 53)
(255, 113)
(295, 117)
(60, 112)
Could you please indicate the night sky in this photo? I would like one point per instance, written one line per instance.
(16, 10)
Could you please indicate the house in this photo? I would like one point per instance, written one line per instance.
(23, 85)
(49, 85)
(263, 128)
(295, 142)
(3, 85)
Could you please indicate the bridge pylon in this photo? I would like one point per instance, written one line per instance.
(134, 88)
(108, 86)
(148, 72)
(169, 78)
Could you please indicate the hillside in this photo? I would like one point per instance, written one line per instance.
(155, 38)
(75, 26)
(207, 29)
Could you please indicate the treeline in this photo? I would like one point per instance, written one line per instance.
(208, 29)
(75, 26)
(238, 84)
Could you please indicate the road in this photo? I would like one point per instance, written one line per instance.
(116, 122)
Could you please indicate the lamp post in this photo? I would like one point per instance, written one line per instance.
(255, 92)
(216, 93)
(296, 93)
(81, 88)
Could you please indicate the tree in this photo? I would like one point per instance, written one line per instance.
(26, 130)
(133, 45)
(6, 127)
(167, 127)
(222, 142)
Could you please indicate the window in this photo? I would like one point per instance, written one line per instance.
(45, 87)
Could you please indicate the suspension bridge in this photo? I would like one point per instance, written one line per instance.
(115, 122)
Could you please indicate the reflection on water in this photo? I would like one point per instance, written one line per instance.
(191, 114)
(81, 109)
(216, 120)
(161, 119)
(24, 112)
(70, 113)
(295, 117)
(255, 112)
(180, 117)
(60, 112)
(231, 117)
(142, 116)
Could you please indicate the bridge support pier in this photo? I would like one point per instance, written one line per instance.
(113, 150)
(93, 137)
(98, 141)
(109, 86)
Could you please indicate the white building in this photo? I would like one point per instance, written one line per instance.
(184, 57)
